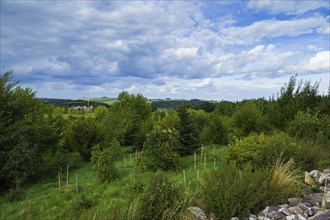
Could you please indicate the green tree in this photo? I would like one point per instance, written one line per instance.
(189, 136)
(26, 132)
(83, 134)
(248, 118)
(128, 119)
(160, 149)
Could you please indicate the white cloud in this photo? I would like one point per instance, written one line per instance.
(264, 29)
(288, 6)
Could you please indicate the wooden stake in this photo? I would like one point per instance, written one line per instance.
(76, 183)
(214, 162)
(59, 179)
(130, 160)
(136, 154)
(67, 175)
(124, 161)
(204, 161)
(197, 178)
(195, 165)
(184, 180)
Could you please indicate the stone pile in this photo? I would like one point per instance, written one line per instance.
(315, 206)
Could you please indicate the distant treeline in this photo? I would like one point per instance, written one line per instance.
(67, 103)
(193, 103)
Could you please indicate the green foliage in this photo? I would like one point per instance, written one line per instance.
(159, 196)
(248, 118)
(293, 97)
(310, 126)
(106, 169)
(189, 137)
(83, 134)
(225, 108)
(165, 119)
(230, 191)
(160, 150)
(128, 119)
(26, 132)
(262, 151)
(215, 131)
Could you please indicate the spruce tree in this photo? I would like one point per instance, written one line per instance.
(189, 137)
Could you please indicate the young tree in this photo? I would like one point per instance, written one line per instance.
(160, 149)
(189, 137)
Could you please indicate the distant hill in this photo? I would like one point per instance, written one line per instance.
(67, 103)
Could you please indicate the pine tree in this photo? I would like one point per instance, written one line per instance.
(189, 137)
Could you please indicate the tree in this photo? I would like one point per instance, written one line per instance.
(26, 132)
(160, 149)
(189, 137)
(83, 135)
(248, 118)
(128, 119)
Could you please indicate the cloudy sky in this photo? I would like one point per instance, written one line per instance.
(212, 50)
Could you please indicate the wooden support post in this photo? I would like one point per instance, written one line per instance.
(76, 183)
(184, 179)
(67, 175)
(59, 179)
(195, 161)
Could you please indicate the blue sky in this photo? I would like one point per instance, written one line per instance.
(213, 50)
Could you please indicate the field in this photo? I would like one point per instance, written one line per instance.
(43, 199)
(108, 101)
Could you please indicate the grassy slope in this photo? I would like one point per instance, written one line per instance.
(108, 101)
(44, 200)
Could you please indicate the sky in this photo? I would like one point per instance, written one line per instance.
(212, 50)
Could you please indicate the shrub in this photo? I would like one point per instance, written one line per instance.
(263, 151)
(159, 197)
(83, 135)
(230, 191)
(310, 126)
(160, 150)
(106, 169)
(248, 118)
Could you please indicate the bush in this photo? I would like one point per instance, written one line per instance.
(83, 135)
(310, 126)
(248, 119)
(160, 150)
(230, 192)
(106, 169)
(159, 197)
(263, 151)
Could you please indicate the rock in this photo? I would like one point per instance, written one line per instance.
(321, 215)
(235, 218)
(326, 171)
(315, 174)
(302, 206)
(310, 211)
(309, 180)
(316, 209)
(314, 199)
(291, 217)
(301, 217)
(252, 217)
(284, 206)
(285, 211)
(277, 215)
(270, 209)
(296, 210)
(197, 213)
(323, 177)
(294, 201)
(307, 204)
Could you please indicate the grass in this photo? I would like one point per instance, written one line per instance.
(44, 200)
(108, 101)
